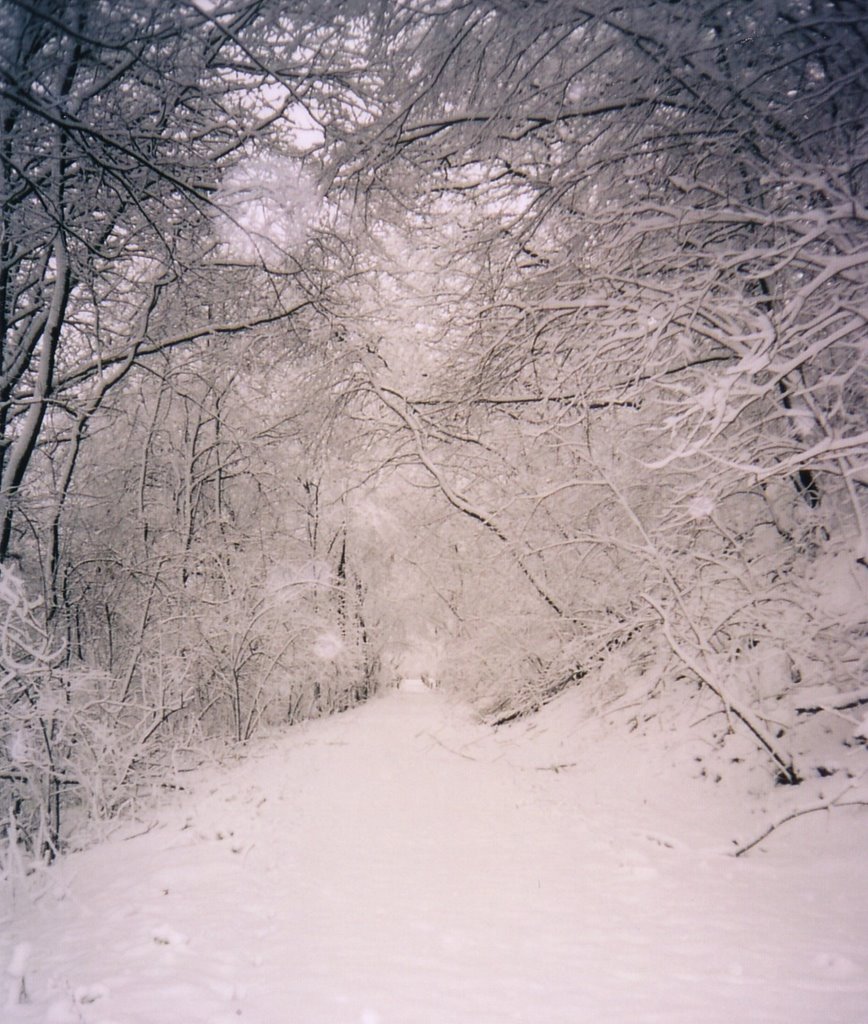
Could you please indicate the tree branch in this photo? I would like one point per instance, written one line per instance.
(825, 805)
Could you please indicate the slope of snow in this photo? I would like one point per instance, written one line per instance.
(402, 864)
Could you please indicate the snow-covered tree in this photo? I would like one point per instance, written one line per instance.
(654, 398)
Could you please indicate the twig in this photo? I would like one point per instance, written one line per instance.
(825, 806)
(458, 753)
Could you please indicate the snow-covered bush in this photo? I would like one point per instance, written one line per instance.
(66, 741)
(76, 743)
(32, 692)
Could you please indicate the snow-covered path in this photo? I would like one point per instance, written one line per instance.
(401, 864)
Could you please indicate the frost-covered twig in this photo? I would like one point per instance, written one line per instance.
(824, 805)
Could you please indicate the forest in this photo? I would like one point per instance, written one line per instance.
(519, 344)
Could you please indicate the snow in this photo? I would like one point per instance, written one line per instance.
(412, 685)
(402, 864)
(328, 646)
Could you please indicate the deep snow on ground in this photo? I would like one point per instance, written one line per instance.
(403, 864)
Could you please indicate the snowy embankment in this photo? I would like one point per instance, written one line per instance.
(401, 864)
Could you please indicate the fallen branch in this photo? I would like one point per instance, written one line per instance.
(826, 805)
(458, 753)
